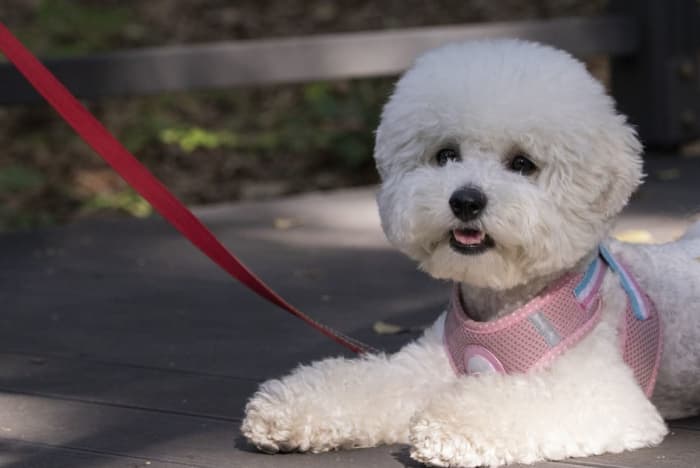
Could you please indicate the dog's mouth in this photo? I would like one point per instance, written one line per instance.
(470, 241)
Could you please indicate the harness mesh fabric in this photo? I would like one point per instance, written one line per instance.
(641, 345)
(513, 339)
(537, 333)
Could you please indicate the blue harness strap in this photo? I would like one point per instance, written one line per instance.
(628, 283)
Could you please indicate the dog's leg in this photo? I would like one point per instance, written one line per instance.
(343, 403)
(587, 403)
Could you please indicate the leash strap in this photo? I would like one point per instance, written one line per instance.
(150, 188)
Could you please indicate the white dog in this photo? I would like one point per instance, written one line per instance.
(504, 164)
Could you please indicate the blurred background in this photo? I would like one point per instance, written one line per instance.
(120, 345)
(212, 146)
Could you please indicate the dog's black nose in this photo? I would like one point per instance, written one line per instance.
(467, 203)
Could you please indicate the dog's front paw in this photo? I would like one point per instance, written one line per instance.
(434, 443)
(267, 425)
(277, 420)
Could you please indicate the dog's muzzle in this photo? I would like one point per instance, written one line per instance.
(467, 203)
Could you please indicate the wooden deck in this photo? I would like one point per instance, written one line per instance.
(121, 346)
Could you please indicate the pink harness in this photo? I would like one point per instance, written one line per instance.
(544, 328)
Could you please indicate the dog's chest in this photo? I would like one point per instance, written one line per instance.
(532, 337)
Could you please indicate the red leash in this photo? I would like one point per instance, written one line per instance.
(150, 188)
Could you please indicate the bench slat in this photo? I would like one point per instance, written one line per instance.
(321, 57)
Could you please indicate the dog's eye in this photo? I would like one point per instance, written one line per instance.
(521, 164)
(446, 154)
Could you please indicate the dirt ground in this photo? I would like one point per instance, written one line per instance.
(209, 146)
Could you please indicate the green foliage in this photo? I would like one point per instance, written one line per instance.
(23, 219)
(328, 120)
(340, 120)
(18, 178)
(193, 138)
(321, 101)
(127, 201)
(353, 148)
(317, 128)
(144, 129)
(19, 182)
(68, 27)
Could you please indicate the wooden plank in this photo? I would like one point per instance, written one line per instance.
(690, 424)
(114, 291)
(123, 296)
(141, 435)
(193, 320)
(134, 387)
(120, 431)
(680, 449)
(152, 389)
(322, 57)
(18, 454)
(171, 440)
(376, 457)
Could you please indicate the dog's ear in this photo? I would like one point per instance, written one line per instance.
(398, 137)
(622, 150)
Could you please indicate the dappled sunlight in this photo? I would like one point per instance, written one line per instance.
(319, 237)
(207, 443)
(649, 228)
(93, 431)
(32, 418)
(346, 218)
(124, 345)
(344, 209)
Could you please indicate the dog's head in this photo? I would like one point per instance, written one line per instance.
(501, 161)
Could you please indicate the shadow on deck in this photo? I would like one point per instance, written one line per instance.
(120, 345)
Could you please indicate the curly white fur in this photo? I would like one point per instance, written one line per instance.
(490, 100)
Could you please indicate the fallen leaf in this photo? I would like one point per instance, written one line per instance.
(635, 236)
(17, 178)
(284, 223)
(384, 328)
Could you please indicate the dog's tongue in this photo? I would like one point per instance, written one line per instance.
(468, 236)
